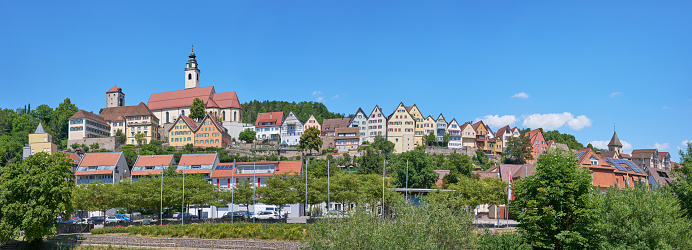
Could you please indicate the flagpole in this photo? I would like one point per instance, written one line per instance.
(254, 177)
(161, 208)
(328, 201)
(406, 179)
(383, 167)
(306, 190)
(182, 215)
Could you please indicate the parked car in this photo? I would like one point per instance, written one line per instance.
(96, 220)
(113, 219)
(235, 215)
(186, 216)
(61, 221)
(77, 219)
(268, 215)
(176, 214)
(123, 217)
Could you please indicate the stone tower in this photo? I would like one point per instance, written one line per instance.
(191, 72)
(614, 144)
(115, 97)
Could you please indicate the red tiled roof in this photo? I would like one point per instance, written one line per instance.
(276, 117)
(114, 89)
(212, 104)
(441, 174)
(100, 159)
(533, 133)
(475, 125)
(153, 160)
(197, 159)
(501, 132)
(93, 172)
(227, 100)
(288, 167)
(73, 157)
(81, 114)
(463, 126)
(119, 113)
(179, 98)
(330, 125)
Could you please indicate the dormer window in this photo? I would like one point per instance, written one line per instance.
(594, 161)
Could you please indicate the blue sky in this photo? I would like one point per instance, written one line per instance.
(578, 67)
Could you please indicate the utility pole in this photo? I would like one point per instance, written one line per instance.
(254, 177)
(406, 179)
(328, 202)
(383, 167)
(161, 211)
(232, 190)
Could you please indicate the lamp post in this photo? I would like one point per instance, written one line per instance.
(232, 190)
(406, 179)
(161, 206)
(182, 214)
(328, 201)
(384, 165)
(254, 176)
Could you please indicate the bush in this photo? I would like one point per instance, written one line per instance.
(428, 226)
(506, 241)
(240, 230)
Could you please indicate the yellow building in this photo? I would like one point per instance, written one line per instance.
(482, 134)
(419, 120)
(182, 132)
(312, 123)
(429, 125)
(40, 141)
(400, 129)
(132, 120)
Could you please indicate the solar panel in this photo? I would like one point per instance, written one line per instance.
(579, 154)
(219, 167)
(617, 163)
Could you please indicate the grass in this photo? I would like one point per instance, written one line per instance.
(241, 230)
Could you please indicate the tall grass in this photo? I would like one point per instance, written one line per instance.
(428, 226)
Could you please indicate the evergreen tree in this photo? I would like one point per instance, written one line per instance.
(197, 109)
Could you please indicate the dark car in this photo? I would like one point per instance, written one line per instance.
(235, 215)
(96, 220)
(186, 216)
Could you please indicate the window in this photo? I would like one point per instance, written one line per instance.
(167, 121)
(189, 76)
(594, 161)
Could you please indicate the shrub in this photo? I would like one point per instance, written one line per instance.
(506, 241)
(240, 230)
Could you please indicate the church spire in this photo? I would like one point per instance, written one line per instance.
(192, 71)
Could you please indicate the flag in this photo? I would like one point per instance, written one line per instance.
(510, 192)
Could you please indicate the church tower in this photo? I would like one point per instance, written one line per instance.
(191, 72)
(115, 97)
(614, 144)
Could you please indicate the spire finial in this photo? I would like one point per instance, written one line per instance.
(193, 48)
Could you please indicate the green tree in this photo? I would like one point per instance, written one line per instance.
(279, 191)
(121, 136)
(518, 150)
(197, 109)
(243, 193)
(371, 162)
(33, 193)
(139, 137)
(482, 160)
(470, 192)
(383, 145)
(59, 118)
(556, 207)
(247, 135)
(459, 164)
(420, 170)
(310, 140)
(682, 188)
(445, 140)
(642, 219)
(430, 139)
(95, 146)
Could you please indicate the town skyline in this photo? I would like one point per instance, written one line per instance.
(511, 69)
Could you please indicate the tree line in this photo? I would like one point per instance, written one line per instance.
(17, 124)
(303, 110)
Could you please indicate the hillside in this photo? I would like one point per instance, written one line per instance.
(302, 109)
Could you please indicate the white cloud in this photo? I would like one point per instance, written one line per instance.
(626, 146)
(335, 96)
(661, 146)
(316, 92)
(521, 95)
(666, 107)
(497, 121)
(554, 121)
(614, 94)
(320, 99)
(684, 143)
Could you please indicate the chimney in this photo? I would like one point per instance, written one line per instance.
(271, 115)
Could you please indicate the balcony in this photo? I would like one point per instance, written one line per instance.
(136, 123)
(480, 138)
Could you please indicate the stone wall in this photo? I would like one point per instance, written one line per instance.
(470, 151)
(110, 143)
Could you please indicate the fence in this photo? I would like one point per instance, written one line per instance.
(74, 228)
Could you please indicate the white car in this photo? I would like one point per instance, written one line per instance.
(267, 215)
(113, 219)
